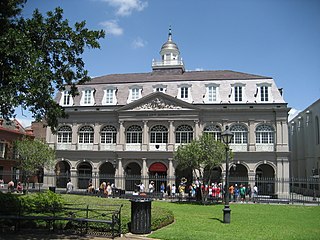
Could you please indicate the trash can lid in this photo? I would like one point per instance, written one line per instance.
(141, 200)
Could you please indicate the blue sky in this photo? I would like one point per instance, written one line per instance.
(274, 38)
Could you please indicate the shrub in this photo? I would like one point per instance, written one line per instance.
(45, 202)
(10, 203)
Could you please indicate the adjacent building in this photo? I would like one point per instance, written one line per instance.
(305, 148)
(124, 128)
(11, 131)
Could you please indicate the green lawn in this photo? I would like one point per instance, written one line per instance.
(248, 221)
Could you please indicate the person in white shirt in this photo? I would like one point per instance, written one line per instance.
(151, 187)
(69, 187)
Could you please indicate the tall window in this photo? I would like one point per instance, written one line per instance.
(134, 134)
(108, 134)
(214, 131)
(87, 97)
(317, 130)
(109, 96)
(2, 149)
(240, 134)
(64, 134)
(184, 134)
(159, 134)
(238, 93)
(264, 134)
(135, 93)
(66, 98)
(264, 93)
(212, 94)
(184, 93)
(86, 134)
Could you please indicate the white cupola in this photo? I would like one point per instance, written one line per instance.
(170, 57)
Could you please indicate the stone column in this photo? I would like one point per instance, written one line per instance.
(171, 136)
(145, 137)
(95, 178)
(74, 136)
(171, 176)
(119, 175)
(121, 138)
(74, 177)
(196, 129)
(96, 136)
(145, 179)
(252, 139)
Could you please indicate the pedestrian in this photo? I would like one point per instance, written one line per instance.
(162, 189)
(19, 187)
(168, 190)
(249, 192)
(151, 187)
(231, 192)
(236, 193)
(242, 192)
(141, 187)
(173, 190)
(11, 186)
(255, 193)
(69, 186)
(109, 190)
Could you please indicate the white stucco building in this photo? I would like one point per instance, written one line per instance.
(125, 125)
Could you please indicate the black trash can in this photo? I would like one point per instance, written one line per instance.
(52, 189)
(140, 216)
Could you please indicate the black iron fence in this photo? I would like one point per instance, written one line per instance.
(302, 190)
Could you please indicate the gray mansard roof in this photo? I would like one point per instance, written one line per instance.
(186, 76)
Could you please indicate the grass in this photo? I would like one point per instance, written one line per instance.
(160, 215)
(248, 221)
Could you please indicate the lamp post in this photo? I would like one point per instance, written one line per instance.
(313, 184)
(227, 137)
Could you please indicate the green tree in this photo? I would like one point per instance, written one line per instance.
(205, 152)
(38, 57)
(34, 155)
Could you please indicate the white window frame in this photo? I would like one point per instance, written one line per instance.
(160, 88)
(108, 134)
(186, 91)
(135, 93)
(66, 99)
(2, 149)
(86, 136)
(64, 136)
(184, 134)
(235, 98)
(87, 98)
(265, 134)
(109, 96)
(260, 97)
(214, 131)
(208, 97)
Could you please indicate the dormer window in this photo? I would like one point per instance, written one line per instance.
(135, 92)
(263, 92)
(211, 93)
(185, 92)
(87, 98)
(159, 88)
(66, 99)
(109, 96)
(237, 94)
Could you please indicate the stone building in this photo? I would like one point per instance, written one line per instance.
(304, 141)
(127, 126)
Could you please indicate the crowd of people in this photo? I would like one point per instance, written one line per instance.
(12, 187)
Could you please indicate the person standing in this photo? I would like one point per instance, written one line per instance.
(10, 186)
(69, 186)
(249, 192)
(151, 187)
(255, 193)
(173, 190)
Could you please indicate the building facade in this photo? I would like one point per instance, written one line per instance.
(123, 126)
(11, 131)
(305, 146)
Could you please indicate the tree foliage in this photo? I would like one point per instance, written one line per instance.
(39, 56)
(34, 155)
(205, 152)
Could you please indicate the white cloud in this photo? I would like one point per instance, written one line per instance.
(138, 43)
(126, 7)
(199, 69)
(293, 113)
(112, 27)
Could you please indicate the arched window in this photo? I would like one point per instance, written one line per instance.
(240, 134)
(134, 134)
(184, 134)
(317, 130)
(86, 134)
(159, 134)
(108, 134)
(264, 134)
(64, 134)
(214, 131)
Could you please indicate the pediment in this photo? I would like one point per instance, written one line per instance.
(158, 102)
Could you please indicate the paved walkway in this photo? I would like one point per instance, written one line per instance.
(44, 235)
